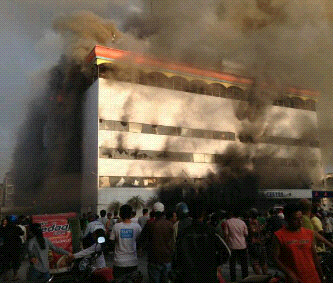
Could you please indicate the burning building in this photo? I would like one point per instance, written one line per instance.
(149, 122)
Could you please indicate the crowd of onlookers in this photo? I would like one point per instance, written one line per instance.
(184, 244)
(176, 240)
(13, 244)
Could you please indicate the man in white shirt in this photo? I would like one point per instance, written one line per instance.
(124, 235)
(92, 226)
(103, 219)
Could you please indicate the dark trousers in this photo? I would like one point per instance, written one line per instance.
(119, 271)
(241, 257)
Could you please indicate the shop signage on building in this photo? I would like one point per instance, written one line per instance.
(290, 194)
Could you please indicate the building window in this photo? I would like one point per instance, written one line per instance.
(101, 124)
(208, 134)
(158, 79)
(179, 83)
(147, 129)
(198, 157)
(155, 129)
(109, 125)
(104, 182)
(135, 127)
(196, 133)
(198, 86)
(219, 135)
(185, 132)
(218, 90)
(235, 93)
(121, 126)
(169, 131)
(209, 158)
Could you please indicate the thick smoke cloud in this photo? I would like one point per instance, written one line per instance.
(279, 42)
(49, 143)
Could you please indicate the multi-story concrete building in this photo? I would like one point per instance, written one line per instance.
(148, 122)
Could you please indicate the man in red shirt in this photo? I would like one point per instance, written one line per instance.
(294, 249)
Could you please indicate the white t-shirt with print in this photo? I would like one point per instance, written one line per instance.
(125, 235)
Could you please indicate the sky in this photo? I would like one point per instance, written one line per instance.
(282, 40)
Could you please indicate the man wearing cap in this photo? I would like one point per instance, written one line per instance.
(157, 237)
(183, 222)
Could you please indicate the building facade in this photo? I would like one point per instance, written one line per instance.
(149, 122)
(8, 191)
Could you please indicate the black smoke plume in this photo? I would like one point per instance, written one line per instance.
(48, 155)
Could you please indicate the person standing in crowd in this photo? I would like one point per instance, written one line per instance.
(171, 216)
(103, 219)
(83, 222)
(294, 249)
(199, 249)
(151, 216)
(235, 231)
(144, 218)
(38, 250)
(92, 226)
(115, 217)
(12, 247)
(157, 236)
(21, 223)
(257, 248)
(220, 225)
(184, 220)
(109, 224)
(2, 251)
(280, 214)
(328, 225)
(21, 220)
(306, 206)
(274, 222)
(261, 219)
(4, 223)
(124, 236)
(134, 219)
(317, 227)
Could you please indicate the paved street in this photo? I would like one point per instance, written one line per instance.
(142, 268)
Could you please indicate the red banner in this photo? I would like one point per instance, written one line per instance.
(55, 227)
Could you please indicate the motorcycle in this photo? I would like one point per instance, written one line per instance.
(82, 271)
(263, 279)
